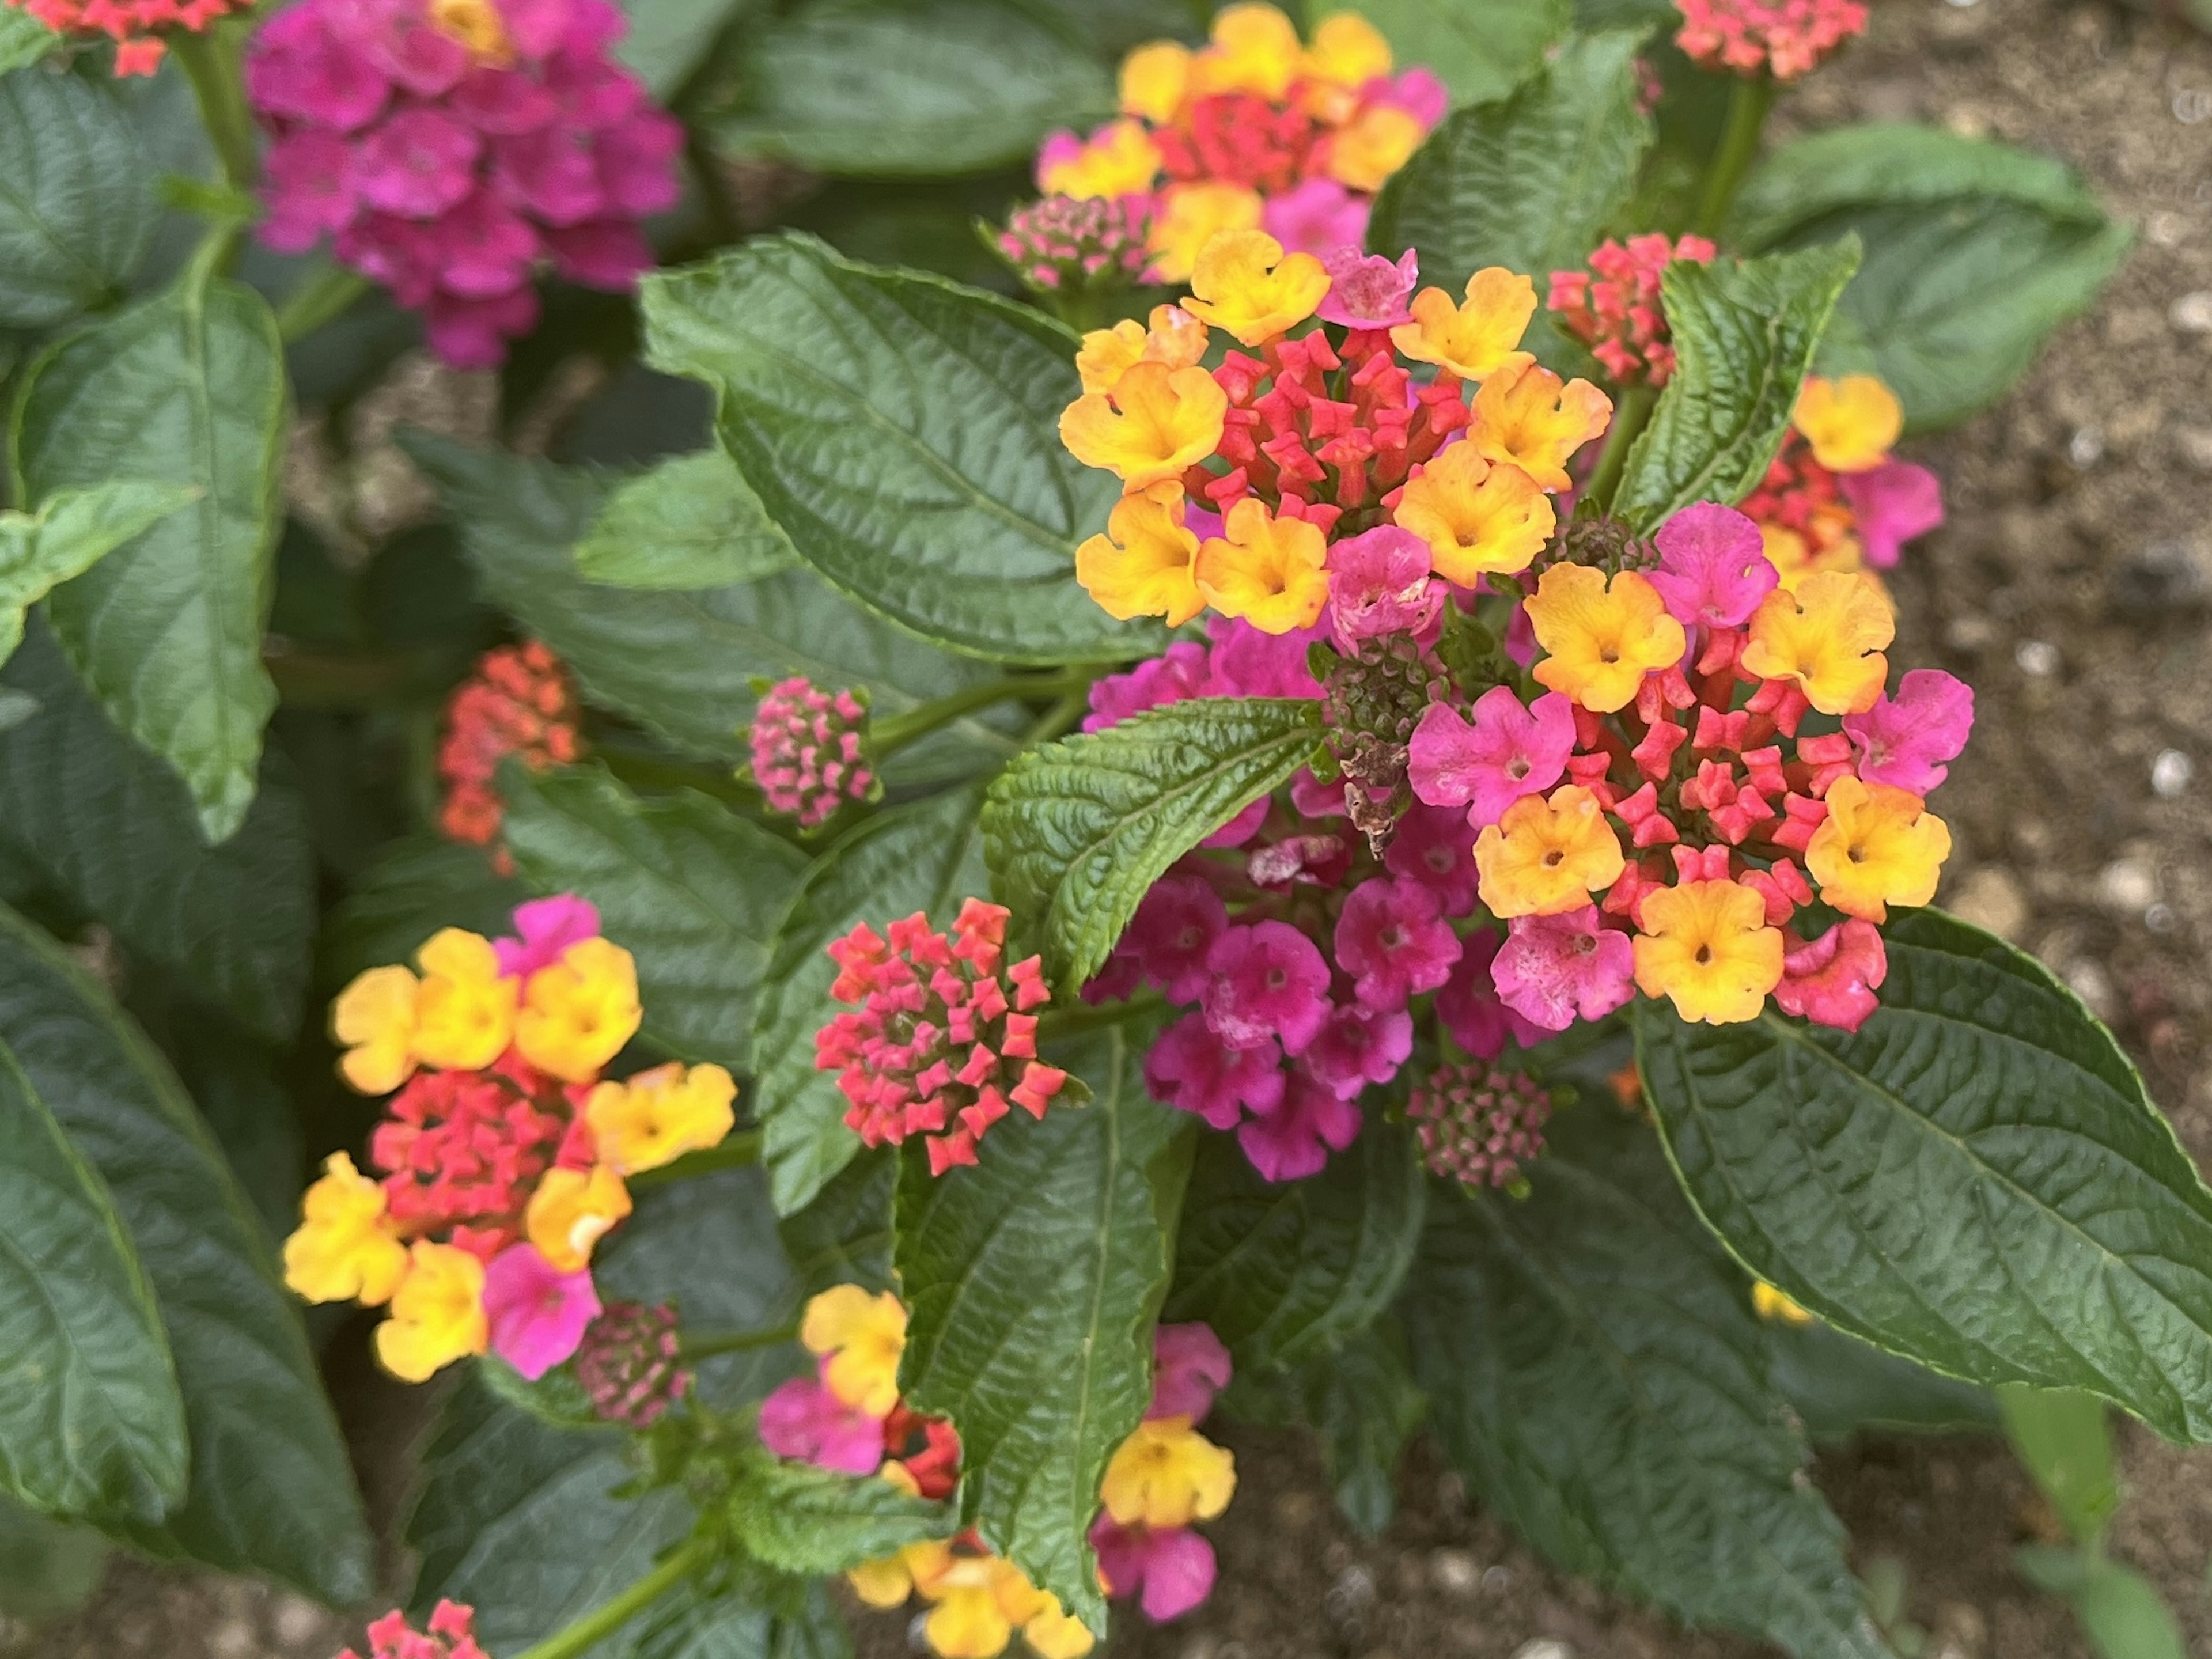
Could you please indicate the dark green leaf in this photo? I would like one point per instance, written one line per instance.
(1481, 49)
(695, 1625)
(1363, 1401)
(2063, 1437)
(904, 432)
(253, 1402)
(556, 1399)
(1840, 1388)
(690, 888)
(1595, 1372)
(1078, 831)
(933, 87)
(1284, 1271)
(1530, 183)
(186, 388)
(844, 1236)
(417, 887)
(77, 209)
(683, 664)
(89, 816)
(47, 1568)
(798, 1518)
(928, 857)
(691, 523)
(1975, 1179)
(23, 39)
(69, 533)
(248, 1109)
(1033, 1280)
(667, 38)
(1745, 331)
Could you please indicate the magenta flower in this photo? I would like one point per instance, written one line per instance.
(1317, 216)
(1189, 1367)
(1268, 981)
(547, 927)
(1392, 939)
(1059, 147)
(1469, 1006)
(1906, 742)
(1174, 926)
(1247, 663)
(1418, 92)
(1191, 1069)
(1295, 1140)
(1170, 1569)
(1241, 828)
(1508, 751)
(1892, 503)
(1832, 981)
(1551, 969)
(1170, 678)
(1379, 582)
(1433, 846)
(311, 188)
(418, 164)
(803, 1419)
(1368, 290)
(1713, 567)
(537, 1313)
(1360, 1046)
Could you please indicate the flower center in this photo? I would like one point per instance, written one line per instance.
(1704, 955)
(476, 24)
(1553, 859)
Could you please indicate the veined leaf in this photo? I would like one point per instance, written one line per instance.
(69, 533)
(1480, 49)
(1841, 1387)
(695, 1625)
(843, 1236)
(77, 210)
(798, 1518)
(417, 887)
(691, 523)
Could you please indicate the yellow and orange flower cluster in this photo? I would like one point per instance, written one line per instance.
(1834, 498)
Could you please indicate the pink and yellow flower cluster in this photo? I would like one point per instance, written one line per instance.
(1834, 497)
(503, 1158)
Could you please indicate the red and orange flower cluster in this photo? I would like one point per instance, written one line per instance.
(132, 25)
(520, 701)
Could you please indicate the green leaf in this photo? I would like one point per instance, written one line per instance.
(691, 522)
(70, 532)
(693, 1624)
(891, 90)
(928, 856)
(1595, 1372)
(1480, 49)
(418, 886)
(48, 1568)
(690, 888)
(798, 1518)
(77, 210)
(253, 1401)
(1032, 1282)
(1363, 1401)
(186, 387)
(24, 40)
(2120, 1611)
(904, 431)
(1530, 183)
(1745, 331)
(843, 1236)
(1284, 1271)
(682, 664)
(1975, 1179)
(2063, 1438)
(1078, 831)
(1840, 1388)
(668, 38)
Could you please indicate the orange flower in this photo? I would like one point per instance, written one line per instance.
(1154, 80)
(1155, 422)
(1254, 48)
(1170, 336)
(1531, 419)
(1878, 847)
(1707, 945)
(1850, 422)
(1828, 636)
(1477, 519)
(1477, 339)
(1364, 152)
(1545, 857)
(1268, 571)
(1601, 639)
(1243, 282)
(1141, 567)
(1191, 216)
(1120, 159)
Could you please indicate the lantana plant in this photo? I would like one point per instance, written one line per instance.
(1284, 790)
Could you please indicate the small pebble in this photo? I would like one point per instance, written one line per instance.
(2170, 773)
(1351, 1596)
(2166, 227)
(2161, 919)
(1970, 632)
(917, 1634)
(296, 1620)
(2192, 312)
(1455, 1572)
(2086, 447)
(232, 1639)
(1498, 1580)
(2192, 107)
(2090, 982)
(2038, 659)
(2155, 582)
(1991, 898)
(2127, 885)
(1544, 1647)
(2194, 444)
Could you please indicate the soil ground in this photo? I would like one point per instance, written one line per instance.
(2072, 589)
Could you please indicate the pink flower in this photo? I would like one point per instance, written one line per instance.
(1191, 1069)
(803, 1419)
(1368, 290)
(1469, 1006)
(1360, 1046)
(1171, 1568)
(1507, 751)
(1059, 147)
(1268, 982)
(1551, 969)
(311, 190)
(1379, 582)
(1892, 503)
(1906, 742)
(1317, 216)
(1170, 678)
(1713, 567)
(1418, 92)
(547, 927)
(1247, 663)
(1392, 939)
(303, 70)
(1174, 926)
(1832, 981)
(1295, 1140)
(537, 1313)
(417, 164)
(809, 750)
(1432, 845)
(1189, 1367)
(1241, 828)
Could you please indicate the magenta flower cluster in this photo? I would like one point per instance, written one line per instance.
(808, 750)
(450, 147)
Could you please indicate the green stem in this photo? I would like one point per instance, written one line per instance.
(1630, 416)
(1749, 100)
(608, 1617)
(734, 1153)
(885, 736)
(706, 1347)
(326, 294)
(1056, 1023)
(209, 61)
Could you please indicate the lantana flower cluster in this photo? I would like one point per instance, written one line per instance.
(451, 1634)
(1614, 307)
(520, 701)
(132, 25)
(1834, 497)
(1780, 38)
(502, 1156)
(449, 148)
(1255, 131)
(808, 750)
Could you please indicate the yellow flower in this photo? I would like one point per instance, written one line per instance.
(1850, 422)
(465, 1013)
(1141, 567)
(1707, 945)
(1120, 159)
(1348, 50)
(1545, 857)
(1154, 79)
(980, 1599)
(1175, 338)
(1167, 1474)
(1254, 48)
(1878, 847)
(437, 1314)
(1155, 422)
(1476, 518)
(570, 1213)
(578, 1012)
(1477, 339)
(1794, 560)
(1268, 571)
(887, 1581)
(1374, 144)
(476, 24)
(345, 1248)
(1600, 640)
(1828, 636)
(862, 1336)
(658, 1115)
(1053, 1633)
(1529, 418)
(1189, 216)
(1243, 282)
(1769, 1303)
(374, 1021)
